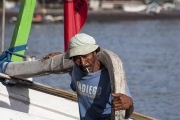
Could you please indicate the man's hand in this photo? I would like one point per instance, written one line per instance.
(121, 101)
(51, 55)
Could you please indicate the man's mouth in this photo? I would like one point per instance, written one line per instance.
(85, 69)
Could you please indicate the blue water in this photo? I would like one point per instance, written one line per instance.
(150, 51)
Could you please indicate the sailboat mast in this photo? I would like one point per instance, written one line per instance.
(68, 8)
(22, 29)
(3, 26)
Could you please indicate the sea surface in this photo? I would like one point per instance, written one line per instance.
(150, 51)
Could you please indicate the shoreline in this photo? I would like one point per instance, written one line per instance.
(118, 15)
(112, 15)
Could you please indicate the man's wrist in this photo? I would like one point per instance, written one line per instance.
(132, 103)
(130, 110)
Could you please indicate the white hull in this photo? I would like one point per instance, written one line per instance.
(8, 114)
(37, 104)
(21, 103)
(134, 8)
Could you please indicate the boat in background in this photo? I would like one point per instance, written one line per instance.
(39, 18)
(176, 5)
(134, 7)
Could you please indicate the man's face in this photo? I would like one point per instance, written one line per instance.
(85, 62)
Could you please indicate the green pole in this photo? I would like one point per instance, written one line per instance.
(23, 26)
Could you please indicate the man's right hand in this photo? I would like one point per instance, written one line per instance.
(51, 55)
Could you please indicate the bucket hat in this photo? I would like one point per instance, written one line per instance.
(81, 44)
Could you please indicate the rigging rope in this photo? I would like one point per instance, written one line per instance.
(6, 57)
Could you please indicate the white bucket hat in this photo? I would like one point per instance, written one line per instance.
(81, 44)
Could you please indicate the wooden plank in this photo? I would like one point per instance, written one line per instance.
(23, 26)
(40, 87)
(117, 77)
(34, 68)
(138, 116)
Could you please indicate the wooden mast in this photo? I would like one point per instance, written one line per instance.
(3, 26)
(23, 26)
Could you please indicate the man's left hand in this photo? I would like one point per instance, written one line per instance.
(51, 55)
(121, 101)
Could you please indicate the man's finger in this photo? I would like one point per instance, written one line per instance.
(116, 94)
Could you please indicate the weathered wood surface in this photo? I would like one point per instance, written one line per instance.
(25, 69)
(117, 77)
(23, 27)
(138, 116)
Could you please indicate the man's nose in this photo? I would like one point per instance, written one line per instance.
(83, 61)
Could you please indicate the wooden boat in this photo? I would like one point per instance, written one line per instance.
(32, 98)
(43, 102)
(27, 100)
(52, 104)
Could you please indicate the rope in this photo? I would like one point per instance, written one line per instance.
(6, 57)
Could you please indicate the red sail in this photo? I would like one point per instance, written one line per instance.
(75, 14)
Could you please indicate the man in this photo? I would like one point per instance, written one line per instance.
(91, 81)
